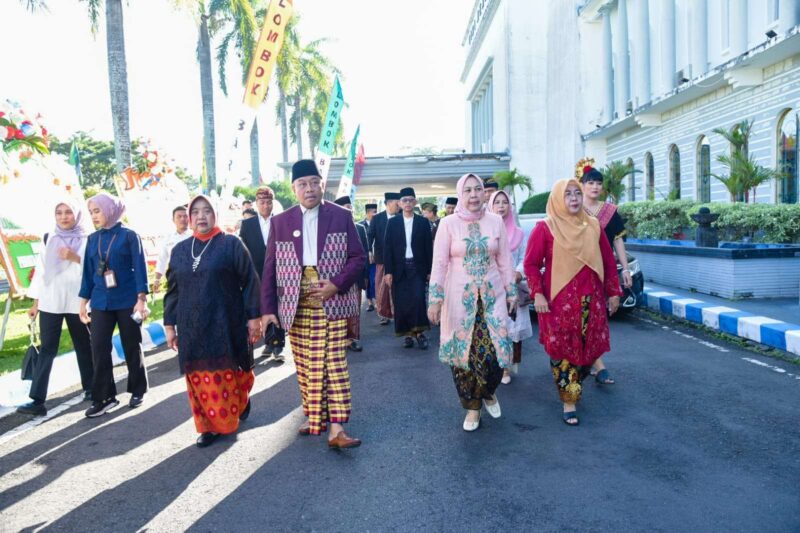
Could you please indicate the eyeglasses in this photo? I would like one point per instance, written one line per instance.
(408, 200)
(573, 194)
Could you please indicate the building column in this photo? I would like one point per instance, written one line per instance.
(699, 38)
(789, 15)
(642, 53)
(608, 72)
(738, 27)
(667, 38)
(622, 67)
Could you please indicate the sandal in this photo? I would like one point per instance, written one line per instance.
(572, 415)
(604, 378)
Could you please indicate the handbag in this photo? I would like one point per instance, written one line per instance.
(275, 338)
(523, 294)
(28, 362)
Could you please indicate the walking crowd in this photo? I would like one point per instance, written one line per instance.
(301, 274)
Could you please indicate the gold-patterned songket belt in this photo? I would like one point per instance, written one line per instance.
(309, 281)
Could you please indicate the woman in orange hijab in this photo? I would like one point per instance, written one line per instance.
(573, 293)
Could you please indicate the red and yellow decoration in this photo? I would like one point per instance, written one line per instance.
(583, 166)
(21, 134)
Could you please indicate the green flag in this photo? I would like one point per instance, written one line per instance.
(346, 183)
(332, 121)
(75, 160)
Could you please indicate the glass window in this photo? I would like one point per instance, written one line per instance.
(650, 176)
(704, 170)
(788, 133)
(482, 118)
(674, 173)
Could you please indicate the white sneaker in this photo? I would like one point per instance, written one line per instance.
(494, 409)
(472, 426)
(506, 379)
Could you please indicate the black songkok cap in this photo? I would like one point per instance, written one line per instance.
(304, 168)
(451, 201)
(370, 206)
(490, 183)
(390, 196)
(407, 191)
(343, 201)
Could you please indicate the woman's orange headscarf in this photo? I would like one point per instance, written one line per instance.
(576, 239)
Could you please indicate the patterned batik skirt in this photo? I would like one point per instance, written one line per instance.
(383, 295)
(319, 348)
(568, 376)
(484, 374)
(218, 397)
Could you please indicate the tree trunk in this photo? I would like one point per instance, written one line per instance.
(299, 132)
(207, 99)
(255, 164)
(118, 83)
(284, 131)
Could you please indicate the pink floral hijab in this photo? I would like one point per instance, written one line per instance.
(462, 210)
(513, 232)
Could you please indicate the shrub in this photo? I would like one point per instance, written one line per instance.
(535, 204)
(757, 222)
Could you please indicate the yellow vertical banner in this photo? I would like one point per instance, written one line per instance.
(266, 52)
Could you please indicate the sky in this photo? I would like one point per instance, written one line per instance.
(400, 64)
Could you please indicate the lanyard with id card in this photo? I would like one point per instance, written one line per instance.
(102, 268)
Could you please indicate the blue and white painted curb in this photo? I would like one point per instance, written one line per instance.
(761, 329)
(65, 374)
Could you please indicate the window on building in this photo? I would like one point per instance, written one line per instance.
(630, 193)
(483, 117)
(703, 169)
(674, 173)
(725, 23)
(650, 176)
(788, 133)
(773, 11)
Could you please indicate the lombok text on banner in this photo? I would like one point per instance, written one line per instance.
(327, 141)
(346, 183)
(265, 56)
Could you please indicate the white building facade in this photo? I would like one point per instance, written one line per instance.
(645, 81)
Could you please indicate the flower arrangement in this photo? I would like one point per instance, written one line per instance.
(21, 134)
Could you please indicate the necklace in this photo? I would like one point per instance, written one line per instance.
(596, 211)
(196, 258)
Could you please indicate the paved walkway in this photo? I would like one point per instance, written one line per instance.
(697, 435)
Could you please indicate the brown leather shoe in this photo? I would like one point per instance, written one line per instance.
(341, 440)
(304, 430)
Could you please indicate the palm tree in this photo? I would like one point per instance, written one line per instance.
(509, 179)
(744, 173)
(117, 71)
(614, 175)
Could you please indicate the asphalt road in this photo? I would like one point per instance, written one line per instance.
(697, 435)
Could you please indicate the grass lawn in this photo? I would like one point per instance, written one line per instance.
(17, 338)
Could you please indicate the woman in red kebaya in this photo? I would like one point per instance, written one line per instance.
(573, 294)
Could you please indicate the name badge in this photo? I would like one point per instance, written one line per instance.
(111, 279)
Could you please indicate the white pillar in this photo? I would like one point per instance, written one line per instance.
(622, 67)
(642, 52)
(789, 15)
(667, 38)
(608, 72)
(738, 27)
(699, 54)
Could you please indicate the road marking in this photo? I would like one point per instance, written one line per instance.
(685, 335)
(27, 426)
(777, 369)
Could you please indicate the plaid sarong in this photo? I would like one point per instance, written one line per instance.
(383, 295)
(319, 347)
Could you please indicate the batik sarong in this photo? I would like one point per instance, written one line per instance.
(568, 376)
(383, 295)
(218, 397)
(481, 380)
